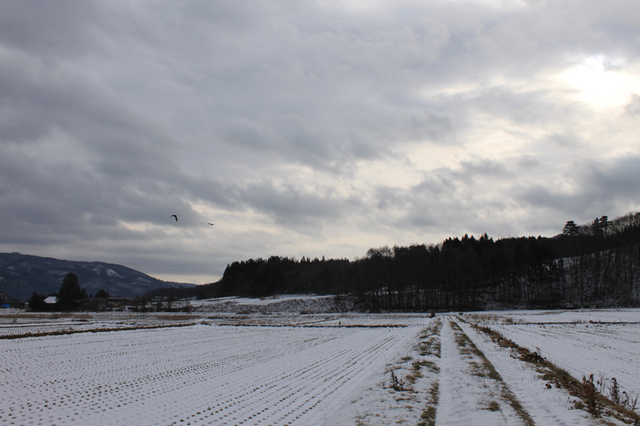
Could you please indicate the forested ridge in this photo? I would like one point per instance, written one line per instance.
(596, 264)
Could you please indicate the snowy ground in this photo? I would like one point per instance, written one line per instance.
(309, 369)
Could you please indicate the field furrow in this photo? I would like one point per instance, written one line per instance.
(545, 405)
(606, 351)
(198, 375)
(338, 370)
(409, 399)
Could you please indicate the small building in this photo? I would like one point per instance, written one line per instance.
(51, 300)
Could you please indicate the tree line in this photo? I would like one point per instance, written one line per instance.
(70, 297)
(595, 264)
(592, 265)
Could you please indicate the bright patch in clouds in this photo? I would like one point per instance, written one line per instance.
(601, 83)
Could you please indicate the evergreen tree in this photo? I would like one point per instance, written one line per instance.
(36, 302)
(102, 293)
(570, 229)
(604, 224)
(70, 295)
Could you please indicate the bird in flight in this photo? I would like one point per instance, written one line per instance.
(174, 215)
(211, 223)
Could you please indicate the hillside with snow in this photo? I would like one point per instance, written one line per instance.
(21, 275)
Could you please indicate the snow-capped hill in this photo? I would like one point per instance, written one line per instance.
(21, 275)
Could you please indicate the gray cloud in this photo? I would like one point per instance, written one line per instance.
(293, 207)
(285, 121)
(602, 186)
(615, 180)
(49, 30)
(447, 200)
(633, 107)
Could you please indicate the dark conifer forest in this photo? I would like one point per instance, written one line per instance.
(593, 265)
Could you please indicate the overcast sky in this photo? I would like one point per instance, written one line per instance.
(309, 128)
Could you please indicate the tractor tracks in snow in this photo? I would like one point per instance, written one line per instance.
(481, 383)
(472, 390)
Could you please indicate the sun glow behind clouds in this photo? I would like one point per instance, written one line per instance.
(600, 83)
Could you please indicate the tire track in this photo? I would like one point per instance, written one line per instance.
(471, 389)
(545, 405)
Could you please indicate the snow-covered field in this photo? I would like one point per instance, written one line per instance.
(325, 368)
(605, 343)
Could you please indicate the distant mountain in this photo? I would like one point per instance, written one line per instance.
(21, 275)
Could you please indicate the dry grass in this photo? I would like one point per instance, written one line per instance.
(428, 417)
(45, 315)
(412, 377)
(177, 317)
(492, 406)
(416, 368)
(431, 366)
(430, 336)
(95, 330)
